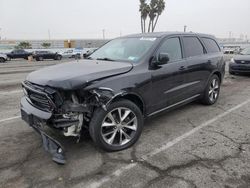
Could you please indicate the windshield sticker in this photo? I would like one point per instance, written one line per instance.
(132, 58)
(148, 39)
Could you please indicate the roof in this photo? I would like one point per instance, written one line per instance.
(163, 34)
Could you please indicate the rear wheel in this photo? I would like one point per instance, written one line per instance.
(117, 128)
(212, 91)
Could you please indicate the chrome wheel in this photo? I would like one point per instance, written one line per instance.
(213, 90)
(119, 126)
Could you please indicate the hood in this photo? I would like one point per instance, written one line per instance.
(242, 58)
(73, 75)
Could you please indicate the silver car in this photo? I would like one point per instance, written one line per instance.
(3, 58)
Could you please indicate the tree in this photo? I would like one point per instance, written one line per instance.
(144, 9)
(46, 45)
(23, 45)
(153, 10)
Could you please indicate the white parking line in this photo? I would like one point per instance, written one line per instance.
(11, 92)
(164, 147)
(9, 119)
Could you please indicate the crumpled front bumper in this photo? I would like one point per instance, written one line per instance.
(36, 118)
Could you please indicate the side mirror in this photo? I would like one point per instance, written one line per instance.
(163, 58)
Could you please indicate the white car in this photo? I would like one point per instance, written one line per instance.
(3, 58)
(72, 53)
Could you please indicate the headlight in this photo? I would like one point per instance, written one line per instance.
(232, 60)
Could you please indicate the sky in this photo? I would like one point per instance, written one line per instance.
(82, 19)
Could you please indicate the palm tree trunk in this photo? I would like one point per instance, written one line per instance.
(141, 25)
(155, 22)
(152, 26)
(149, 25)
(144, 26)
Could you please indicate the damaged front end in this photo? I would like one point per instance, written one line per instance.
(65, 112)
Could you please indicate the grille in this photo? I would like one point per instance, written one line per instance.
(37, 97)
(242, 62)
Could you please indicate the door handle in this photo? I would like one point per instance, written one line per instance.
(182, 68)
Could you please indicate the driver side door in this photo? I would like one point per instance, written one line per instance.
(168, 81)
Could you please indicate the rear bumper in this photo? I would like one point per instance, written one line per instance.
(37, 119)
(239, 68)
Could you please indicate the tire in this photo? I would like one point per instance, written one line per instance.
(2, 60)
(58, 58)
(39, 59)
(101, 124)
(231, 72)
(212, 91)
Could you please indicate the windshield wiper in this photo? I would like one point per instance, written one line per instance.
(105, 59)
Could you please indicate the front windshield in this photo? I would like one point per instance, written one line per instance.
(246, 51)
(124, 49)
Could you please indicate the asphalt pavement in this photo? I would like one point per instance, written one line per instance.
(193, 146)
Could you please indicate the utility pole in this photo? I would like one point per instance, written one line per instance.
(103, 34)
(0, 33)
(185, 28)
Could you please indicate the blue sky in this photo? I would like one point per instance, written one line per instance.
(31, 19)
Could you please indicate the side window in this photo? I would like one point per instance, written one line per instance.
(193, 46)
(212, 46)
(172, 47)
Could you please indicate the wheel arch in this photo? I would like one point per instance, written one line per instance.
(136, 99)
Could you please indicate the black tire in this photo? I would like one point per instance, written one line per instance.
(231, 72)
(39, 59)
(95, 127)
(2, 60)
(207, 96)
(58, 58)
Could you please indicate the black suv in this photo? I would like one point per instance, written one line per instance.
(15, 54)
(41, 55)
(125, 81)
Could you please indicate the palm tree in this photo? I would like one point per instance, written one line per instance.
(144, 9)
(160, 6)
(153, 10)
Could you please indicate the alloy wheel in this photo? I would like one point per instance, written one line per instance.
(213, 92)
(119, 126)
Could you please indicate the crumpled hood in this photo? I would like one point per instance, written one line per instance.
(69, 76)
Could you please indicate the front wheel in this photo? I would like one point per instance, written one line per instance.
(212, 90)
(58, 58)
(117, 128)
(2, 60)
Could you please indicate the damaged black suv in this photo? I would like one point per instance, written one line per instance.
(113, 90)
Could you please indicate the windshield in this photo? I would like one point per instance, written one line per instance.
(246, 51)
(124, 49)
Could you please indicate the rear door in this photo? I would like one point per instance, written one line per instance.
(197, 65)
(168, 79)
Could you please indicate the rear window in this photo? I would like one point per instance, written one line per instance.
(193, 46)
(211, 45)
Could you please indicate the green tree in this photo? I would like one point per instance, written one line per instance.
(153, 10)
(46, 45)
(23, 45)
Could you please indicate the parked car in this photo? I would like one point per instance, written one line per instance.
(3, 58)
(15, 54)
(240, 63)
(70, 54)
(41, 55)
(119, 85)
